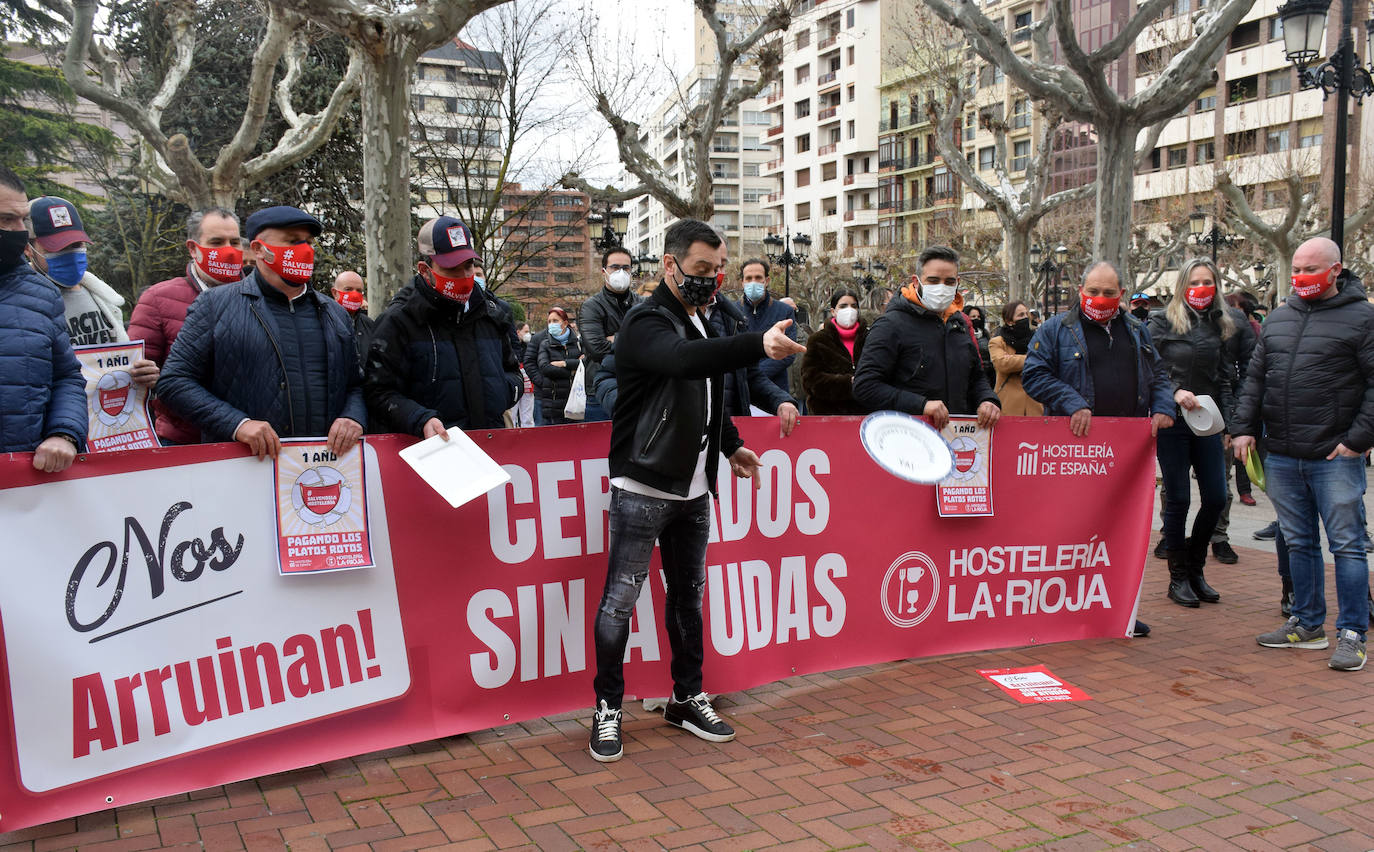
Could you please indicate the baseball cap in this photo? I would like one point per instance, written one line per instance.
(56, 224)
(280, 216)
(448, 242)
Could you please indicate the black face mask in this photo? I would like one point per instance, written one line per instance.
(977, 324)
(696, 290)
(1018, 334)
(1140, 313)
(12, 245)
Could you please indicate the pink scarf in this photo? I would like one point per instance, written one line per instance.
(847, 336)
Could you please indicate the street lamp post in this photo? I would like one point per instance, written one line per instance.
(780, 254)
(1204, 236)
(863, 274)
(1049, 274)
(1304, 25)
(614, 223)
(645, 264)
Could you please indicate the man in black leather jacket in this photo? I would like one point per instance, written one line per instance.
(667, 434)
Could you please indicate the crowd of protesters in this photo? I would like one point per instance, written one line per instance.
(242, 348)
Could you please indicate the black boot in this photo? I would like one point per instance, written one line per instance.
(1196, 548)
(1180, 590)
(1286, 602)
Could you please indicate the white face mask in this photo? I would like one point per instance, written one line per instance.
(846, 317)
(937, 297)
(619, 281)
(525, 338)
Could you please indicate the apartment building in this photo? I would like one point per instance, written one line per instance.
(547, 240)
(738, 148)
(1255, 123)
(825, 126)
(456, 130)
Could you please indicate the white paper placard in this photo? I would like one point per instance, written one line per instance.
(456, 468)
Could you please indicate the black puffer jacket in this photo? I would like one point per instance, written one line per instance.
(231, 362)
(600, 318)
(911, 356)
(1198, 360)
(553, 393)
(1311, 380)
(430, 359)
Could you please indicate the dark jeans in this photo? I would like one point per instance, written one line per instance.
(1179, 451)
(595, 413)
(681, 527)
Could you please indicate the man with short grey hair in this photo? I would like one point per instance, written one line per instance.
(213, 243)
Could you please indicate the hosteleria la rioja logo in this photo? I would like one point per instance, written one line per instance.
(911, 589)
(115, 395)
(321, 496)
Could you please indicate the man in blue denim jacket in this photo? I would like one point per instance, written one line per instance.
(1078, 367)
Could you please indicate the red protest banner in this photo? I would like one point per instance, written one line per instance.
(151, 646)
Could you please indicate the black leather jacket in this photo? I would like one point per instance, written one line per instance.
(661, 412)
(1198, 360)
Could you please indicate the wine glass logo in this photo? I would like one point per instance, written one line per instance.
(911, 589)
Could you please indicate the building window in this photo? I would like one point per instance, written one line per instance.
(803, 38)
(1241, 144)
(850, 126)
(1278, 83)
(1276, 196)
(1206, 153)
(1020, 114)
(1152, 162)
(849, 55)
(849, 92)
(1245, 35)
(803, 143)
(1276, 29)
(1178, 156)
(803, 211)
(829, 171)
(1020, 156)
(802, 107)
(970, 127)
(751, 169)
(803, 177)
(1242, 90)
(1310, 134)
(848, 18)
(1276, 140)
(803, 73)
(985, 158)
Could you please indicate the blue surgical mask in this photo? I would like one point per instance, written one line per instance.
(480, 281)
(754, 291)
(68, 267)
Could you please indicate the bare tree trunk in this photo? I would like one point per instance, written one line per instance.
(1018, 260)
(1116, 179)
(386, 171)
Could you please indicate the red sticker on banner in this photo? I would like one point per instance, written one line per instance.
(1034, 685)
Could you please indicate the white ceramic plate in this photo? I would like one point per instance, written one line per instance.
(906, 447)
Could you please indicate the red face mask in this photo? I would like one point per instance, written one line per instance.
(352, 300)
(220, 263)
(1201, 297)
(1099, 308)
(293, 263)
(457, 289)
(1313, 285)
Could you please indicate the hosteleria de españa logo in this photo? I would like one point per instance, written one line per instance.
(911, 589)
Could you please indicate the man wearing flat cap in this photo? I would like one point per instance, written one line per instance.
(268, 358)
(442, 357)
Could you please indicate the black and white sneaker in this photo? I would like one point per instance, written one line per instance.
(697, 716)
(605, 743)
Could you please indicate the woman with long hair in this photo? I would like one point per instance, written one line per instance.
(1008, 348)
(1191, 335)
(827, 369)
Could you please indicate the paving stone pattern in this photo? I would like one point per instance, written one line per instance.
(1196, 738)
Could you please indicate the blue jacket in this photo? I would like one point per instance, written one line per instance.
(42, 392)
(228, 363)
(1056, 372)
(761, 317)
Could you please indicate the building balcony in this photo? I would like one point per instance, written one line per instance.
(828, 41)
(724, 149)
(774, 98)
(828, 77)
(892, 164)
(775, 130)
(827, 114)
(774, 197)
(827, 149)
(773, 165)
